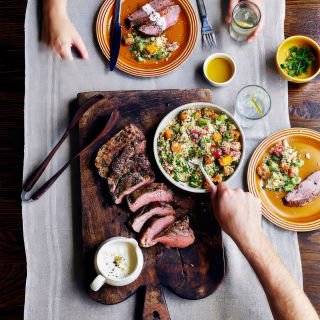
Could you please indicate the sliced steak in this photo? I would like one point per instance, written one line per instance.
(113, 146)
(155, 227)
(170, 14)
(158, 209)
(139, 163)
(177, 235)
(307, 191)
(139, 17)
(155, 192)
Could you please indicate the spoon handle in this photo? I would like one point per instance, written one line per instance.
(212, 185)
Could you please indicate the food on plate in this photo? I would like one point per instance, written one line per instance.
(202, 133)
(279, 169)
(112, 147)
(298, 61)
(307, 191)
(150, 48)
(146, 38)
(178, 235)
(155, 192)
(123, 162)
(139, 17)
(158, 209)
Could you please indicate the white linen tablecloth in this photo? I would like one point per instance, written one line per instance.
(52, 225)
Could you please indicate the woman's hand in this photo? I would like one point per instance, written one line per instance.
(238, 214)
(59, 34)
(233, 3)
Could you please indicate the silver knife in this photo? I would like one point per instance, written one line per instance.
(115, 39)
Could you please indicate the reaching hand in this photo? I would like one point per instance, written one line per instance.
(237, 212)
(233, 3)
(60, 34)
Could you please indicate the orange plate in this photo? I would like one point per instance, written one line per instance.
(304, 218)
(184, 32)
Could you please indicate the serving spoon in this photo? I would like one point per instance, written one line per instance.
(199, 162)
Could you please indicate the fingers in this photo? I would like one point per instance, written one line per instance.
(65, 51)
(79, 44)
(232, 4)
(213, 193)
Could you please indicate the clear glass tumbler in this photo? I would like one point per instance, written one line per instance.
(245, 18)
(253, 103)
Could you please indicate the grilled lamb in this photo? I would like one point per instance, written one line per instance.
(155, 192)
(307, 191)
(178, 235)
(112, 147)
(130, 183)
(155, 227)
(158, 209)
(140, 17)
(170, 14)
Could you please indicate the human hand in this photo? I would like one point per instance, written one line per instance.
(233, 3)
(238, 214)
(60, 35)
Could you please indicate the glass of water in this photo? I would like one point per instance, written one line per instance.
(245, 18)
(253, 103)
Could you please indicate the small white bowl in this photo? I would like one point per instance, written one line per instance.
(174, 113)
(226, 57)
(124, 247)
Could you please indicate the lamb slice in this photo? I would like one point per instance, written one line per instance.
(139, 17)
(177, 235)
(171, 15)
(155, 192)
(139, 163)
(158, 209)
(155, 227)
(113, 146)
(130, 183)
(307, 191)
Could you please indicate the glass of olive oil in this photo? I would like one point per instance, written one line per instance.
(246, 16)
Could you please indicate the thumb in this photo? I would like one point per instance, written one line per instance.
(79, 44)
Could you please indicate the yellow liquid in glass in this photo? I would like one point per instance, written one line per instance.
(219, 70)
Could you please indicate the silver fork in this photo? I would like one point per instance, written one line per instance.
(208, 36)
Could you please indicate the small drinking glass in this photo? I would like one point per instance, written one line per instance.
(253, 103)
(246, 16)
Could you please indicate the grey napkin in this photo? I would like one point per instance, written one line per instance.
(52, 231)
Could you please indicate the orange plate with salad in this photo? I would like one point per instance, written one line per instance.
(146, 49)
(277, 169)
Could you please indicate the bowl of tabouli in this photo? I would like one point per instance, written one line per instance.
(198, 131)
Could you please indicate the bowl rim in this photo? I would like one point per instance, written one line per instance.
(173, 113)
(217, 55)
(294, 79)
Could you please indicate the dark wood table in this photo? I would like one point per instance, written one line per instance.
(302, 17)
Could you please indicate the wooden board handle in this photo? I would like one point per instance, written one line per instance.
(155, 307)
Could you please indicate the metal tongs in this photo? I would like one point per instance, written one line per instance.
(31, 181)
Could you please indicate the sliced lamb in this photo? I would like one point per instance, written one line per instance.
(178, 235)
(155, 192)
(139, 17)
(307, 191)
(131, 182)
(155, 227)
(170, 14)
(113, 146)
(139, 163)
(158, 209)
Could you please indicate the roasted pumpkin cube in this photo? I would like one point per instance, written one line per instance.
(152, 48)
(225, 161)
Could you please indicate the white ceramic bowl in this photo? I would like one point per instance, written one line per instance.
(112, 244)
(224, 56)
(174, 113)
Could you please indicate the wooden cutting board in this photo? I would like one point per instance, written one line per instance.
(191, 273)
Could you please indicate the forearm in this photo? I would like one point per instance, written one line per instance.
(287, 301)
(55, 7)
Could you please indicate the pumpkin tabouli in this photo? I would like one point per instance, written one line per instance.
(200, 133)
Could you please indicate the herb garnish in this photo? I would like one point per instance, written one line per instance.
(298, 61)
